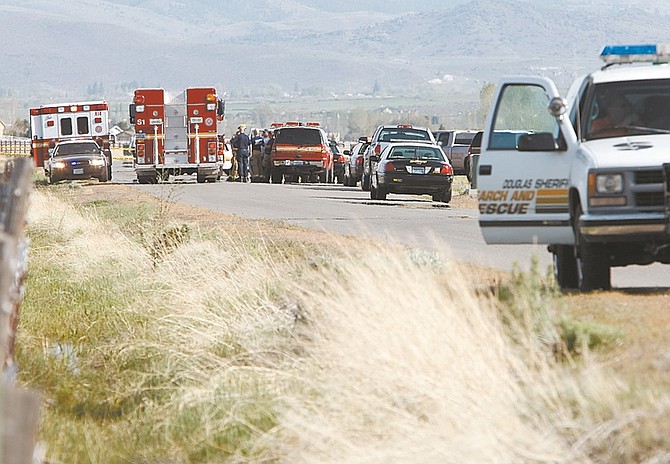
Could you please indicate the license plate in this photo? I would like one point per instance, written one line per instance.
(416, 170)
(78, 171)
(297, 163)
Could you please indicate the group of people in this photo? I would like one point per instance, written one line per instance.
(245, 147)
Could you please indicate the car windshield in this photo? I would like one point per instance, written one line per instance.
(298, 136)
(77, 149)
(464, 138)
(392, 134)
(416, 153)
(628, 108)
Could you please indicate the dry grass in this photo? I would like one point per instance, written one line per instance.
(250, 341)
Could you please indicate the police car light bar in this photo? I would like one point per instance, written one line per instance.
(618, 54)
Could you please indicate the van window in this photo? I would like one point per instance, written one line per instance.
(65, 126)
(521, 109)
(82, 125)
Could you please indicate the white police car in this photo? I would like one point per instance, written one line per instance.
(589, 174)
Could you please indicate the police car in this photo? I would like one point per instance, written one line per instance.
(588, 174)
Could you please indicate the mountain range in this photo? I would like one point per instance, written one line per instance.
(256, 50)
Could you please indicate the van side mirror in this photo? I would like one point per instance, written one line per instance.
(132, 113)
(558, 106)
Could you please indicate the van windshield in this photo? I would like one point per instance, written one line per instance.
(298, 136)
(629, 108)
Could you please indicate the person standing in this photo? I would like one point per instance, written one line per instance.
(242, 144)
(256, 153)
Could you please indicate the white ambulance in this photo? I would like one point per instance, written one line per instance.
(588, 174)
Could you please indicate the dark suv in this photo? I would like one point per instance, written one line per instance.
(300, 151)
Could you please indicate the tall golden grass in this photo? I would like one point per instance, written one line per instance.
(231, 347)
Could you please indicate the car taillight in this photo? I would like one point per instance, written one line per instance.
(390, 167)
(359, 161)
(445, 169)
(378, 149)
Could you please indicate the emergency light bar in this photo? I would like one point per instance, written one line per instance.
(619, 54)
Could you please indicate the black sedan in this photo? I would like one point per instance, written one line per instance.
(411, 168)
(77, 159)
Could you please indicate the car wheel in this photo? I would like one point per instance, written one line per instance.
(104, 177)
(276, 177)
(147, 179)
(373, 192)
(381, 193)
(52, 179)
(593, 267)
(365, 183)
(444, 196)
(565, 267)
(346, 178)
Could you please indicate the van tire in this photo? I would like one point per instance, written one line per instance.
(593, 267)
(565, 267)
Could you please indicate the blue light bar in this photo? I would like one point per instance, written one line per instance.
(618, 54)
(629, 50)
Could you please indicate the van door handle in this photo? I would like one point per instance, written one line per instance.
(485, 169)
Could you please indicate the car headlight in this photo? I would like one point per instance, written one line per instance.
(609, 183)
(98, 162)
(606, 189)
(58, 165)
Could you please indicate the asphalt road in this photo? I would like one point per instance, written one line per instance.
(410, 220)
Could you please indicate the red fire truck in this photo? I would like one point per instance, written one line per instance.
(53, 123)
(179, 135)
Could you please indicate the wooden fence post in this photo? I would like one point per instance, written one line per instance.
(19, 409)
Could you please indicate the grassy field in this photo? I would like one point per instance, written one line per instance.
(163, 334)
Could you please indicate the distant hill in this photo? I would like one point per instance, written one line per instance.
(64, 50)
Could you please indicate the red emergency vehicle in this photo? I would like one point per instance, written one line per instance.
(53, 123)
(300, 151)
(179, 135)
